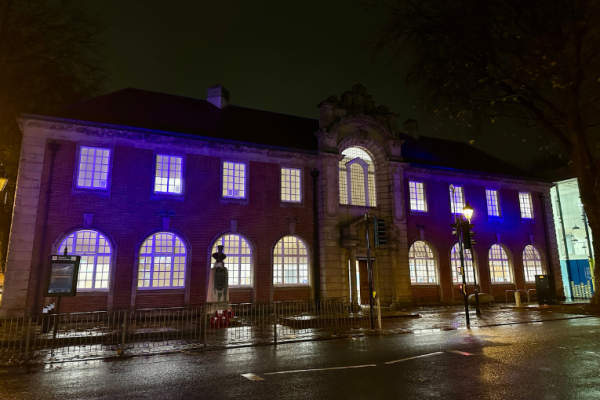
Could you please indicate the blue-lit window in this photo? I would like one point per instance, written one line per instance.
(162, 262)
(92, 172)
(457, 199)
(290, 262)
(493, 204)
(526, 205)
(417, 196)
(168, 176)
(499, 267)
(532, 261)
(95, 252)
(421, 263)
(234, 180)
(239, 259)
(455, 261)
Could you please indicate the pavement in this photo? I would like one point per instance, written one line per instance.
(554, 360)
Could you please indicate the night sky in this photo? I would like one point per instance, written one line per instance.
(272, 55)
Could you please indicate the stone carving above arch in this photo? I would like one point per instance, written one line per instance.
(357, 106)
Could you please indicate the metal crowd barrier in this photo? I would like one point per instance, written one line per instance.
(103, 334)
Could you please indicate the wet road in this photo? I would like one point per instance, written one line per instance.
(550, 360)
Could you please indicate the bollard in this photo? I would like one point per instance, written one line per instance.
(379, 314)
(275, 322)
(517, 299)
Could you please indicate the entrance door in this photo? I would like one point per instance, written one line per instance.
(364, 281)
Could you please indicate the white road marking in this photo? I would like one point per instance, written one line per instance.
(319, 369)
(253, 377)
(412, 358)
(462, 353)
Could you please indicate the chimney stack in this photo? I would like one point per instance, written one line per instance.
(218, 96)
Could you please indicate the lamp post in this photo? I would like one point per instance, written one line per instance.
(3, 183)
(468, 213)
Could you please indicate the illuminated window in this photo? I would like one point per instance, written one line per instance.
(493, 205)
(455, 261)
(93, 168)
(532, 262)
(357, 178)
(499, 269)
(95, 251)
(239, 259)
(421, 263)
(162, 262)
(168, 174)
(290, 185)
(417, 196)
(457, 200)
(234, 180)
(290, 262)
(526, 206)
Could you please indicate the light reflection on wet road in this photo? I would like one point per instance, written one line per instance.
(551, 360)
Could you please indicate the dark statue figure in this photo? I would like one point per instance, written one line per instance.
(219, 256)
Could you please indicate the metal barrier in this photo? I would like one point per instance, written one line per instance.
(103, 334)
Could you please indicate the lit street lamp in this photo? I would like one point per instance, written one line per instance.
(3, 178)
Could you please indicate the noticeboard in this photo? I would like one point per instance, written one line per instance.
(62, 279)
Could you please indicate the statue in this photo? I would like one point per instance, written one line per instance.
(217, 297)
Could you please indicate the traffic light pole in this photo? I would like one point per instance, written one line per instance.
(369, 269)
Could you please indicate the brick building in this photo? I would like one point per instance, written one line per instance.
(144, 185)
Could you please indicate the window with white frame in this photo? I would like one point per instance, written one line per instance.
(532, 262)
(239, 259)
(357, 178)
(92, 172)
(493, 204)
(234, 180)
(457, 199)
(291, 185)
(290, 262)
(95, 252)
(417, 196)
(421, 263)
(499, 268)
(168, 174)
(162, 262)
(455, 261)
(526, 205)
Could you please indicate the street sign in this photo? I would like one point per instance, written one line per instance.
(62, 279)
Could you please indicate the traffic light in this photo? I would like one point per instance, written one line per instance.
(379, 230)
(468, 235)
(455, 229)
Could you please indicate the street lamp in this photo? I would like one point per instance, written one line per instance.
(468, 212)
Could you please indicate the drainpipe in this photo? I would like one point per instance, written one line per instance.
(316, 251)
(53, 147)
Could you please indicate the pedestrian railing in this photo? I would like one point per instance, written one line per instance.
(105, 334)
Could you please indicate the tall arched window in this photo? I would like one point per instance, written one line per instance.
(162, 262)
(499, 268)
(357, 178)
(290, 262)
(95, 252)
(455, 261)
(532, 262)
(421, 263)
(239, 259)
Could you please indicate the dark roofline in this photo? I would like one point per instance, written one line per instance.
(471, 172)
(165, 133)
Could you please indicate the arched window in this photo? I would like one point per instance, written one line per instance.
(162, 262)
(95, 251)
(238, 261)
(421, 263)
(532, 262)
(499, 269)
(290, 262)
(455, 261)
(357, 178)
